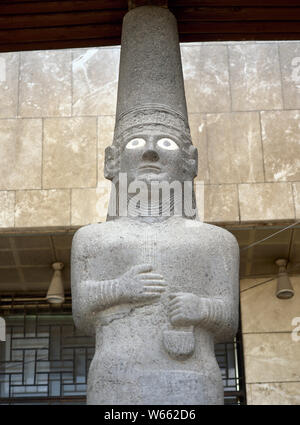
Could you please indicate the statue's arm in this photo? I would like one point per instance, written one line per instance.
(135, 285)
(218, 313)
(90, 295)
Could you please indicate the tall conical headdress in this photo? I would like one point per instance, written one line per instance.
(151, 88)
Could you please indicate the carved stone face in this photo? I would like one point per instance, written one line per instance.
(157, 155)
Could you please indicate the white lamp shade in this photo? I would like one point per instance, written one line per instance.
(56, 293)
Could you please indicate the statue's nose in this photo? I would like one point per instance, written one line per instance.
(150, 155)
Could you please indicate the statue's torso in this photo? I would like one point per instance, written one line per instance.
(183, 252)
(130, 336)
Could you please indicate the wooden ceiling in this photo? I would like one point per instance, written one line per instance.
(50, 24)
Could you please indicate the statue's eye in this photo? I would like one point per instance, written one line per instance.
(135, 143)
(168, 144)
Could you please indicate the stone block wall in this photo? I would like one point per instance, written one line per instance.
(271, 340)
(57, 116)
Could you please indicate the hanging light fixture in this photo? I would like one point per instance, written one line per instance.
(55, 294)
(284, 287)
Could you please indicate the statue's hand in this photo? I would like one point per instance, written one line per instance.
(139, 284)
(186, 309)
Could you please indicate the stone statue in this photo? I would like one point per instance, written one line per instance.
(158, 290)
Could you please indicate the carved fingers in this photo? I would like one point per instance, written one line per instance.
(153, 284)
(185, 309)
(142, 283)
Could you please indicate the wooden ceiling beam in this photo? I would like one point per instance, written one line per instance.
(22, 8)
(177, 3)
(61, 44)
(254, 27)
(202, 14)
(115, 16)
(100, 31)
(137, 3)
(235, 3)
(50, 24)
(61, 19)
(75, 32)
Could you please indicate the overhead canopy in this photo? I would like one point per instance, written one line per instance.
(49, 24)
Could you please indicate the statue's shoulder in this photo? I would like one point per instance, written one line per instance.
(214, 234)
(90, 234)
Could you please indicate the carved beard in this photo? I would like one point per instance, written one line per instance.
(164, 206)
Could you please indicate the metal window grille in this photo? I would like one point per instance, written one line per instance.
(230, 359)
(45, 360)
